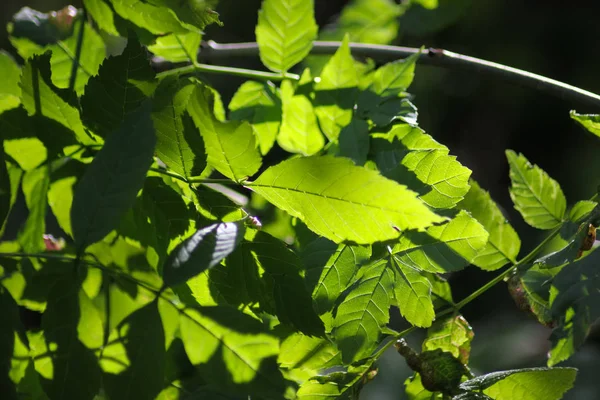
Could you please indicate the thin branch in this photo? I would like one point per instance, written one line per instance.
(438, 57)
(221, 70)
(79, 47)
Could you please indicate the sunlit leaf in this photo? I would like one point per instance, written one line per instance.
(102, 15)
(363, 313)
(154, 18)
(259, 104)
(10, 92)
(10, 179)
(452, 334)
(197, 13)
(203, 250)
(177, 47)
(341, 201)
(444, 248)
(35, 188)
(536, 195)
(335, 93)
(285, 32)
(110, 183)
(504, 243)
(339, 385)
(230, 146)
(581, 210)
(412, 292)
(591, 122)
(299, 351)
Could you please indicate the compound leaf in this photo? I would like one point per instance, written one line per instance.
(536, 195)
(341, 201)
(285, 32)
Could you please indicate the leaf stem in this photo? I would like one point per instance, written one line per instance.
(390, 343)
(217, 69)
(192, 180)
(438, 57)
(78, 49)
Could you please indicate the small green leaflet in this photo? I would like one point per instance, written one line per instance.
(536, 195)
(155, 19)
(230, 146)
(194, 13)
(335, 93)
(412, 291)
(452, 334)
(102, 15)
(10, 92)
(111, 182)
(120, 88)
(285, 32)
(338, 385)
(364, 312)
(504, 243)
(178, 142)
(357, 204)
(354, 141)
(203, 250)
(443, 248)
(591, 122)
(581, 210)
(177, 47)
(35, 188)
(526, 384)
(260, 104)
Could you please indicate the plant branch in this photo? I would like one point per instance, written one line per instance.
(438, 57)
(79, 47)
(192, 180)
(221, 70)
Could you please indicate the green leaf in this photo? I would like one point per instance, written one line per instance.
(591, 122)
(394, 78)
(444, 248)
(179, 144)
(526, 384)
(568, 253)
(339, 385)
(285, 32)
(363, 313)
(155, 19)
(299, 132)
(335, 93)
(119, 89)
(203, 250)
(331, 275)
(177, 47)
(341, 201)
(236, 350)
(39, 98)
(10, 178)
(428, 4)
(230, 146)
(581, 210)
(111, 182)
(354, 141)
(452, 334)
(472, 396)
(258, 103)
(293, 303)
(73, 372)
(143, 337)
(536, 195)
(414, 389)
(299, 351)
(60, 199)
(11, 333)
(412, 292)
(35, 189)
(102, 14)
(10, 92)
(504, 244)
(368, 21)
(192, 12)
(409, 148)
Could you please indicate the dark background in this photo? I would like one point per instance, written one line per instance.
(478, 117)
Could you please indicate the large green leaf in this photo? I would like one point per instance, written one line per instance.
(120, 88)
(285, 32)
(341, 201)
(178, 142)
(111, 182)
(444, 248)
(443, 180)
(35, 188)
(299, 131)
(536, 195)
(259, 104)
(203, 250)
(177, 47)
(102, 14)
(336, 91)
(591, 122)
(154, 18)
(504, 244)
(412, 291)
(10, 92)
(236, 351)
(363, 313)
(526, 384)
(143, 337)
(230, 146)
(73, 371)
(368, 21)
(39, 98)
